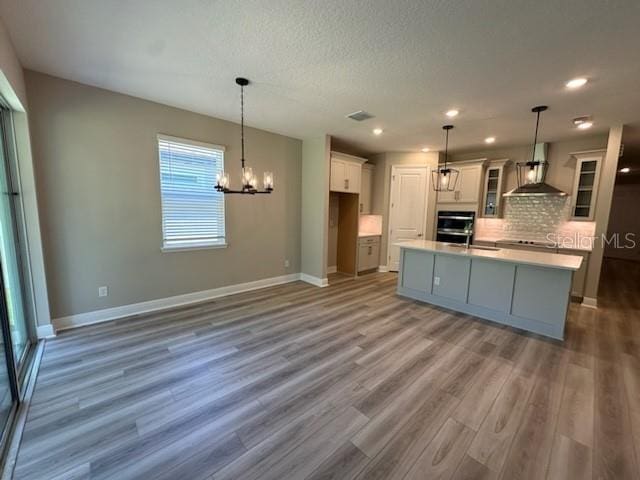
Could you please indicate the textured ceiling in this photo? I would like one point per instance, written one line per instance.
(313, 62)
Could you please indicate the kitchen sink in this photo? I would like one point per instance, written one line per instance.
(475, 247)
(478, 247)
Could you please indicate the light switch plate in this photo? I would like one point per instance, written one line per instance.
(436, 280)
(103, 291)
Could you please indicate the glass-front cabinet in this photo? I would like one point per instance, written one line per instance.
(493, 188)
(585, 187)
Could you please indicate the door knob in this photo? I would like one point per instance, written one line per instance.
(419, 234)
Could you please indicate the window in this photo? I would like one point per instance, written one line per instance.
(192, 210)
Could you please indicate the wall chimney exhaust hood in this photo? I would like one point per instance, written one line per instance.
(531, 174)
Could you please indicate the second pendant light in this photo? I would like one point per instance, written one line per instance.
(445, 178)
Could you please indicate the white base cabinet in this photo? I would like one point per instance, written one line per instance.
(368, 253)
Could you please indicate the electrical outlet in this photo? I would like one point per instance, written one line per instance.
(286, 263)
(103, 291)
(436, 280)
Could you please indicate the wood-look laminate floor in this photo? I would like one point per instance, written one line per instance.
(349, 381)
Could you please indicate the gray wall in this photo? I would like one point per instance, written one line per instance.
(381, 190)
(603, 208)
(13, 90)
(624, 220)
(96, 163)
(11, 74)
(316, 154)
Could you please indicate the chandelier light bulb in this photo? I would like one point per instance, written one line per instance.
(268, 180)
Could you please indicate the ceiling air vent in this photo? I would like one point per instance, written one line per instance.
(360, 116)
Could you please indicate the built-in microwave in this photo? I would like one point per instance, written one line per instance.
(455, 227)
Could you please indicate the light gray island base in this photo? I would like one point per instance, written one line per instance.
(530, 292)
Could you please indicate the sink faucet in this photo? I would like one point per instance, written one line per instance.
(469, 232)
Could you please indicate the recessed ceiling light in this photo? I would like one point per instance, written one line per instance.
(377, 131)
(452, 113)
(489, 139)
(625, 170)
(583, 122)
(425, 149)
(576, 83)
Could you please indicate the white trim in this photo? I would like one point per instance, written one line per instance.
(98, 316)
(347, 157)
(480, 161)
(200, 246)
(188, 141)
(45, 331)
(318, 282)
(333, 269)
(383, 268)
(589, 302)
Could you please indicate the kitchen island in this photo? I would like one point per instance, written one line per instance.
(523, 289)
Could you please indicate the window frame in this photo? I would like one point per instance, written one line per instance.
(186, 246)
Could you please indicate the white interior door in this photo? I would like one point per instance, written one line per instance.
(407, 209)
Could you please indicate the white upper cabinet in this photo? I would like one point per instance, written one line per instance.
(338, 175)
(468, 186)
(585, 185)
(345, 173)
(493, 189)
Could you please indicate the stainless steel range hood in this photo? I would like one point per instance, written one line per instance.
(534, 190)
(537, 187)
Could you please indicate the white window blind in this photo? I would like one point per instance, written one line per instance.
(192, 210)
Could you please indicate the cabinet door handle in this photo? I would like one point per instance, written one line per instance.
(346, 184)
(361, 206)
(370, 250)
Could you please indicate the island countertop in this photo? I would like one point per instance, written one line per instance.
(541, 259)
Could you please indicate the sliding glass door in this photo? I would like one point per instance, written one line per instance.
(7, 391)
(10, 253)
(14, 332)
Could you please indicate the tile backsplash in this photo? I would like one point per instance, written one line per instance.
(534, 218)
(370, 224)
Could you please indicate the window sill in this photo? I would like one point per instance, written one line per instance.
(202, 246)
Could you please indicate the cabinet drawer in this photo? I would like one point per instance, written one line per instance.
(369, 240)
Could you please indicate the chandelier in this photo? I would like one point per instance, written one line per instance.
(249, 180)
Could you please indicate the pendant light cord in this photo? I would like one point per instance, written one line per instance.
(242, 123)
(535, 137)
(446, 148)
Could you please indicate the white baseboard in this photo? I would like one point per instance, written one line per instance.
(589, 302)
(383, 268)
(318, 282)
(333, 269)
(98, 316)
(45, 331)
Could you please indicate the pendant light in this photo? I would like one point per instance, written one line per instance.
(445, 178)
(249, 180)
(533, 171)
